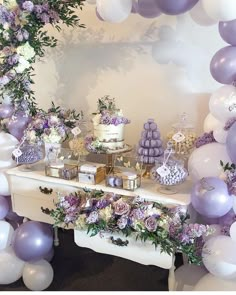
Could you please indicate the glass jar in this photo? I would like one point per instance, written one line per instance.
(182, 137)
(169, 171)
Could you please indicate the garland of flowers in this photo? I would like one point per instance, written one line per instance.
(100, 212)
(23, 39)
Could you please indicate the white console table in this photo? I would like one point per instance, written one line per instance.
(28, 199)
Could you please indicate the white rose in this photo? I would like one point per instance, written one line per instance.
(53, 137)
(31, 135)
(106, 213)
(10, 4)
(23, 64)
(26, 51)
(96, 119)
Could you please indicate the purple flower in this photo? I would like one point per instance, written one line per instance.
(151, 224)
(28, 6)
(137, 214)
(7, 50)
(13, 59)
(122, 222)
(72, 200)
(92, 218)
(38, 9)
(4, 80)
(101, 204)
(45, 18)
(120, 207)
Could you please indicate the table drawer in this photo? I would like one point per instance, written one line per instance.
(138, 251)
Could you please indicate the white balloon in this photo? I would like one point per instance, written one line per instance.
(38, 275)
(7, 139)
(222, 103)
(114, 11)
(220, 134)
(8, 164)
(213, 283)
(4, 185)
(199, 15)
(219, 257)
(220, 10)
(210, 123)
(205, 161)
(187, 276)
(11, 267)
(232, 231)
(215, 231)
(6, 234)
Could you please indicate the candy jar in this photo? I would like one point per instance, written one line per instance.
(183, 137)
(169, 171)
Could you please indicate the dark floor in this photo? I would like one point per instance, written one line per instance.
(81, 269)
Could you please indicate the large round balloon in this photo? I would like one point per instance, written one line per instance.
(148, 8)
(210, 123)
(228, 31)
(38, 276)
(231, 143)
(6, 234)
(223, 65)
(199, 15)
(4, 207)
(220, 10)
(11, 267)
(205, 161)
(6, 111)
(213, 283)
(218, 255)
(7, 144)
(114, 11)
(4, 185)
(215, 230)
(18, 124)
(175, 7)
(32, 240)
(187, 276)
(222, 103)
(210, 197)
(220, 134)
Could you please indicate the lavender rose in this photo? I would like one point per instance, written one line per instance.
(92, 218)
(121, 207)
(151, 224)
(122, 222)
(28, 6)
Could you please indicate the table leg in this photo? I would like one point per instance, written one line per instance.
(171, 278)
(56, 238)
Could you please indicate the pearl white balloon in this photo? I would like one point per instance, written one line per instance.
(114, 11)
(205, 161)
(4, 185)
(187, 276)
(38, 275)
(220, 10)
(199, 15)
(6, 234)
(8, 164)
(232, 231)
(220, 134)
(219, 257)
(11, 267)
(210, 123)
(222, 103)
(213, 283)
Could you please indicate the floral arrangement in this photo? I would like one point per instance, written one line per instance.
(53, 126)
(93, 145)
(22, 39)
(98, 212)
(108, 114)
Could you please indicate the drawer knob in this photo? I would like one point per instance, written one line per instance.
(119, 242)
(46, 211)
(46, 190)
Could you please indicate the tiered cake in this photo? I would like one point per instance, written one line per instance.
(108, 124)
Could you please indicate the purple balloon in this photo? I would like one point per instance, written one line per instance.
(4, 207)
(210, 197)
(134, 7)
(33, 240)
(231, 143)
(223, 65)
(6, 111)
(174, 7)
(18, 124)
(148, 8)
(228, 31)
(49, 256)
(98, 15)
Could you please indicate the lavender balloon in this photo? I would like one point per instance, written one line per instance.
(223, 65)
(134, 7)
(227, 31)
(148, 8)
(18, 124)
(6, 111)
(98, 15)
(4, 207)
(231, 143)
(174, 7)
(210, 197)
(33, 240)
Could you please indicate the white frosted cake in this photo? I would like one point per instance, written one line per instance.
(108, 124)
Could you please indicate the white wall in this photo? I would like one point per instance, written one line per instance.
(117, 59)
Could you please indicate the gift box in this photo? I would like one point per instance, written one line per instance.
(91, 173)
(125, 174)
